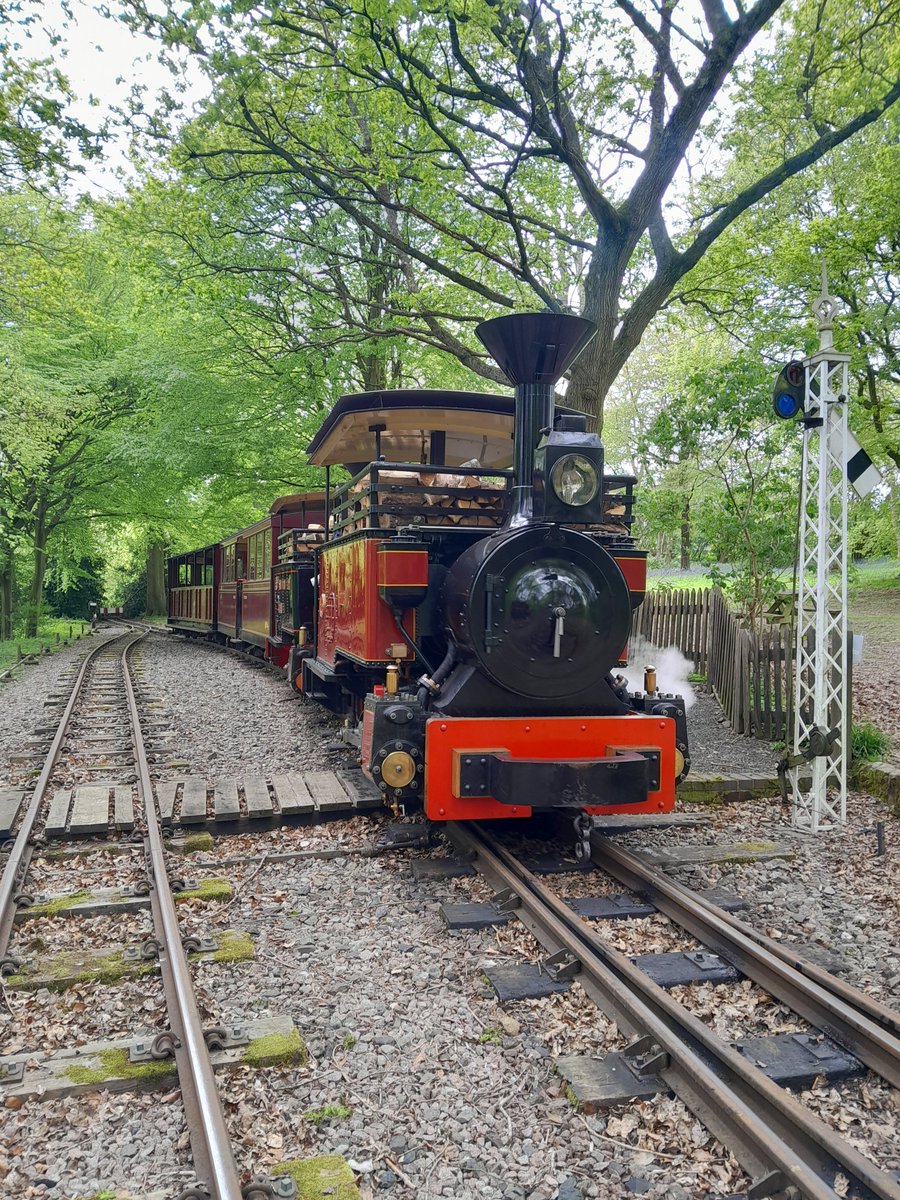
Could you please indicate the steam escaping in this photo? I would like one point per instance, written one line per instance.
(672, 669)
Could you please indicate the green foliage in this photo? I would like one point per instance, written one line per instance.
(71, 596)
(868, 743)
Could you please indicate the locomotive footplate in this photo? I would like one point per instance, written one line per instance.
(623, 778)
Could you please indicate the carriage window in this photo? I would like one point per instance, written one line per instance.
(183, 577)
(251, 573)
(267, 552)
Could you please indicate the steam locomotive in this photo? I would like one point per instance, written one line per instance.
(463, 600)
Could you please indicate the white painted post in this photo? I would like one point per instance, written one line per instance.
(821, 698)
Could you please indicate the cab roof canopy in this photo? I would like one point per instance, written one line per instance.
(418, 426)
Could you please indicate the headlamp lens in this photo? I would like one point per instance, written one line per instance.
(575, 480)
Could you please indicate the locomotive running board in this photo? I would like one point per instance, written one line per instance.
(623, 778)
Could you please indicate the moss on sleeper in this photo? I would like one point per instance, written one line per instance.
(207, 891)
(68, 855)
(60, 904)
(115, 1064)
(276, 1050)
(325, 1177)
(234, 947)
(191, 843)
(70, 968)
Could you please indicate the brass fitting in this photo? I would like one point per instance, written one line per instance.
(392, 680)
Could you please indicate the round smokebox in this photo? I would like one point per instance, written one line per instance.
(544, 611)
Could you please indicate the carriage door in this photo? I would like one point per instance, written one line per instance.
(240, 574)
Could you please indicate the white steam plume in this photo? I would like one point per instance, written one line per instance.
(672, 669)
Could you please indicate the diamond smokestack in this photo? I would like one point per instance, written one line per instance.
(533, 350)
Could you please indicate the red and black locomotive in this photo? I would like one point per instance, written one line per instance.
(464, 600)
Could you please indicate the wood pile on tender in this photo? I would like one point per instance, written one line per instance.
(423, 498)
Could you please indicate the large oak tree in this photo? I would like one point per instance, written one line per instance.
(494, 155)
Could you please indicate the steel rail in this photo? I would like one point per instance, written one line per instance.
(787, 1149)
(210, 1144)
(20, 855)
(864, 1027)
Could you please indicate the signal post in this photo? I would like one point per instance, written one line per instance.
(821, 741)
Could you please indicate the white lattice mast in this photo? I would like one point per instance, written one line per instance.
(821, 684)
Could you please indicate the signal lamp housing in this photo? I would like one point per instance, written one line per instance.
(789, 393)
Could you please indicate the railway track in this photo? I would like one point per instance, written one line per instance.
(788, 1151)
(104, 685)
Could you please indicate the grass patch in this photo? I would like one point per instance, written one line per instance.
(207, 891)
(115, 1064)
(349, 1041)
(234, 947)
(868, 743)
(328, 1112)
(872, 579)
(276, 1050)
(325, 1177)
(49, 631)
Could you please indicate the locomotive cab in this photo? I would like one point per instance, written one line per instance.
(473, 598)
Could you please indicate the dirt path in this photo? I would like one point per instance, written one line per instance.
(875, 614)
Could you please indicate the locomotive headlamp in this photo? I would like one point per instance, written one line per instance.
(575, 480)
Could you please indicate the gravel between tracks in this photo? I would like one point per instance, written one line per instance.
(231, 715)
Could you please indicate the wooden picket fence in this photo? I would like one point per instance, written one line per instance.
(751, 673)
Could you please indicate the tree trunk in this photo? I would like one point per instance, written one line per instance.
(36, 590)
(686, 534)
(594, 371)
(7, 591)
(156, 590)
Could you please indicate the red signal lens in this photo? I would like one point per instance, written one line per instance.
(794, 374)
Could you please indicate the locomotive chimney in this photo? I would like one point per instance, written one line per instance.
(533, 350)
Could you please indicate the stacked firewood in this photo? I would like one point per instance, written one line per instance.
(482, 505)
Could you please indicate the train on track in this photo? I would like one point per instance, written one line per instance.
(462, 597)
